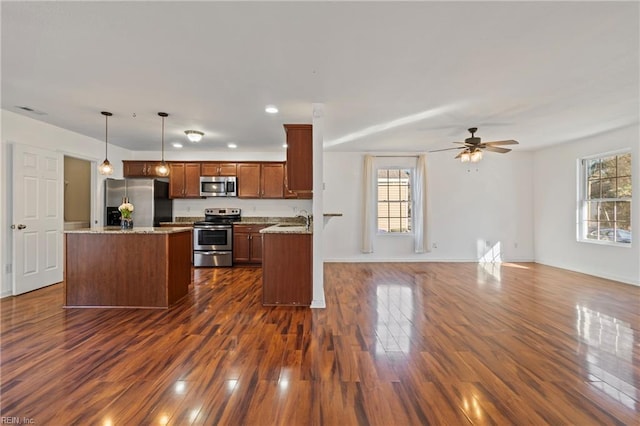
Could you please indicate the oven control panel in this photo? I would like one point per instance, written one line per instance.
(222, 212)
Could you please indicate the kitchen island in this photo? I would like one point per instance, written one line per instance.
(136, 268)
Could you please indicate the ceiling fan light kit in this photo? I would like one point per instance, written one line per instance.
(473, 147)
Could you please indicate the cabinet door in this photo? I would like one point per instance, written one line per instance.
(241, 246)
(134, 168)
(227, 169)
(272, 180)
(218, 169)
(139, 168)
(176, 180)
(192, 180)
(209, 169)
(299, 157)
(256, 247)
(288, 193)
(248, 180)
(184, 180)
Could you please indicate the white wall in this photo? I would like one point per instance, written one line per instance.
(472, 208)
(555, 201)
(18, 129)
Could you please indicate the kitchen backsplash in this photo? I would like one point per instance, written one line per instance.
(250, 207)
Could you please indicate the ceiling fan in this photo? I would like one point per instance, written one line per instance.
(472, 147)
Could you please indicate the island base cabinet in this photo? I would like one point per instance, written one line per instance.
(287, 269)
(127, 270)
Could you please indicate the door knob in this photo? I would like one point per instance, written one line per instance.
(20, 226)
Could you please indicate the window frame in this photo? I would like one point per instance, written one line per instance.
(582, 229)
(410, 207)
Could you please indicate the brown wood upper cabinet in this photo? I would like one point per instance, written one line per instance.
(288, 193)
(184, 180)
(218, 169)
(135, 169)
(299, 157)
(260, 180)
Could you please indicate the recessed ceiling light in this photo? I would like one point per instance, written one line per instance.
(176, 145)
(232, 145)
(271, 109)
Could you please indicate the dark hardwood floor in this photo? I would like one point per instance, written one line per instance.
(398, 344)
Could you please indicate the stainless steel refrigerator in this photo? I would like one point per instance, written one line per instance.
(150, 199)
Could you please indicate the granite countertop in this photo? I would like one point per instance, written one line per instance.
(118, 230)
(275, 224)
(287, 229)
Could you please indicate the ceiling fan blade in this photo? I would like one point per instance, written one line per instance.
(446, 149)
(496, 149)
(459, 155)
(467, 144)
(507, 142)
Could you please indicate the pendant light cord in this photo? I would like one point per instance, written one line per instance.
(106, 134)
(163, 139)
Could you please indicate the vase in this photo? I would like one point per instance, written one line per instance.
(126, 223)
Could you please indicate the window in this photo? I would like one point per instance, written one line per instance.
(394, 200)
(606, 200)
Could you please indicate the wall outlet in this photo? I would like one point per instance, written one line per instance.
(515, 245)
(434, 245)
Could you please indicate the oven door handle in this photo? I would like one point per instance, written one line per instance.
(208, 253)
(212, 227)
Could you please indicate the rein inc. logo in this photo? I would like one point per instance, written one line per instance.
(6, 420)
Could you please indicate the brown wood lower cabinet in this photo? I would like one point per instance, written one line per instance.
(287, 269)
(247, 244)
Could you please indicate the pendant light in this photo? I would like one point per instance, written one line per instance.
(106, 168)
(162, 169)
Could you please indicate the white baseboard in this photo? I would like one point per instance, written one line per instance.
(619, 279)
(318, 304)
(414, 260)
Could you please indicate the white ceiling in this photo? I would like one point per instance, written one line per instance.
(392, 76)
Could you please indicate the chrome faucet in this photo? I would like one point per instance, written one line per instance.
(307, 218)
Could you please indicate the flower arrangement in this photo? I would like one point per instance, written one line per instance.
(125, 209)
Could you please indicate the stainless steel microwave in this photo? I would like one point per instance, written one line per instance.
(218, 186)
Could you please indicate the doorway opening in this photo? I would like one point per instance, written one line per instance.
(77, 193)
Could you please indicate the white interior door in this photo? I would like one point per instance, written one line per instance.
(37, 218)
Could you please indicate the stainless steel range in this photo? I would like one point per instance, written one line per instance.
(213, 238)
